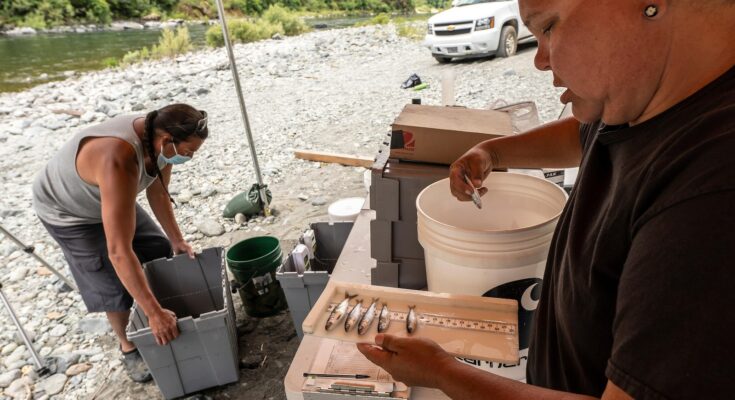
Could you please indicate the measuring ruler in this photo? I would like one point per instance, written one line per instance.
(489, 326)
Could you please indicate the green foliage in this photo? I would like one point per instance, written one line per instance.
(196, 9)
(172, 43)
(380, 19)
(128, 8)
(34, 20)
(291, 23)
(411, 31)
(316, 5)
(261, 29)
(48, 13)
(214, 36)
(244, 31)
(111, 62)
(96, 11)
(132, 57)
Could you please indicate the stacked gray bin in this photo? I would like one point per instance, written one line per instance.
(205, 353)
(394, 242)
(303, 290)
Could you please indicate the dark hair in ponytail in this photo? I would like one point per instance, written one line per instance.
(182, 121)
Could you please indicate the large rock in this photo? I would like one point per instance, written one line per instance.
(7, 378)
(20, 389)
(17, 274)
(60, 363)
(96, 326)
(8, 349)
(21, 31)
(172, 23)
(88, 117)
(53, 124)
(104, 108)
(210, 227)
(125, 25)
(52, 385)
(77, 369)
(36, 132)
(58, 330)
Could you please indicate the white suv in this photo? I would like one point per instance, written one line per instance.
(476, 28)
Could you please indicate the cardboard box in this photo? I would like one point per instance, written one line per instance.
(442, 134)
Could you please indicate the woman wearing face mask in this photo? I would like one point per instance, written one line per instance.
(86, 199)
(637, 299)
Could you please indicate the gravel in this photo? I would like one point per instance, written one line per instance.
(335, 91)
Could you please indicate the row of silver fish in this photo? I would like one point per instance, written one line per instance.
(364, 321)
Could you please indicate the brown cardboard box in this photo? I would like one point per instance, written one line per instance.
(442, 134)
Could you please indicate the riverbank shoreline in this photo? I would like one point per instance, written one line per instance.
(114, 26)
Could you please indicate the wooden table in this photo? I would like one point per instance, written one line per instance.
(354, 266)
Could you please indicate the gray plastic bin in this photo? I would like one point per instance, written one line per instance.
(302, 291)
(205, 353)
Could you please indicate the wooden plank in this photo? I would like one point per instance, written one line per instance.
(335, 158)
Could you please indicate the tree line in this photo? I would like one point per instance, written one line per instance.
(49, 13)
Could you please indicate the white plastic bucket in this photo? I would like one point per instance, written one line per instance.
(345, 210)
(498, 251)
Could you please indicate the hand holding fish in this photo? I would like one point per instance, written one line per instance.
(413, 361)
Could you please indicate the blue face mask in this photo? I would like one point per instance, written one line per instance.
(174, 160)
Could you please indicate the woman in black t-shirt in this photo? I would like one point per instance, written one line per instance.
(635, 301)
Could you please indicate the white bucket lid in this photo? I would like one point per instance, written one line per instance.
(345, 209)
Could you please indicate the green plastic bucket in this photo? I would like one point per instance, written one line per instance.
(253, 262)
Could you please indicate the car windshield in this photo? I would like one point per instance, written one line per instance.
(461, 3)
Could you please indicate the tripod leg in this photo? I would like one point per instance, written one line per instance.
(36, 359)
(68, 285)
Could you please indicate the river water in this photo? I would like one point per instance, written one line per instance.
(27, 61)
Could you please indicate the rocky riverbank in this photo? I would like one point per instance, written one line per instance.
(334, 90)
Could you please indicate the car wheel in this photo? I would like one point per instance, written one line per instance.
(508, 42)
(442, 60)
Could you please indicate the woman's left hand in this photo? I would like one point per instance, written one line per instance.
(413, 361)
(182, 247)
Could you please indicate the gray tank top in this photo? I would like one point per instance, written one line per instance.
(61, 197)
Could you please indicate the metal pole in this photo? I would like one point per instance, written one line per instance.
(23, 334)
(243, 109)
(32, 251)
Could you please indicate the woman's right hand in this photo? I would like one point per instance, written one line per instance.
(476, 163)
(163, 325)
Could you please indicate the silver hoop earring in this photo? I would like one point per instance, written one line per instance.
(651, 11)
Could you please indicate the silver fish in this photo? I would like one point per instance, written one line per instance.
(339, 312)
(367, 318)
(411, 320)
(354, 316)
(383, 319)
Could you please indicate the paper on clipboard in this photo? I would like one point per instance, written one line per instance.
(337, 357)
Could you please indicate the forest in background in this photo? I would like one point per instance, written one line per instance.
(42, 14)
